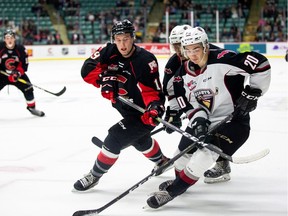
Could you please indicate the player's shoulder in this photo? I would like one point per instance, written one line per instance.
(20, 47)
(143, 53)
(2, 45)
(107, 50)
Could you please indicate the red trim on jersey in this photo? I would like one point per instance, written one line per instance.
(148, 94)
(93, 76)
(186, 179)
(154, 150)
(105, 159)
(19, 66)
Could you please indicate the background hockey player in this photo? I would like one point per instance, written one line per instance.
(122, 68)
(175, 61)
(218, 78)
(14, 61)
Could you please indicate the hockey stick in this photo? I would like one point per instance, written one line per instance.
(96, 141)
(237, 160)
(93, 212)
(30, 84)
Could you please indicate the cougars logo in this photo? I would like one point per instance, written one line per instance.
(205, 97)
(121, 78)
(10, 64)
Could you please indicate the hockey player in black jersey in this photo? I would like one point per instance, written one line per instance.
(14, 62)
(123, 68)
(216, 79)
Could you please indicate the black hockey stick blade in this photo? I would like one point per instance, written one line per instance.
(96, 141)
(86, 213)
(59, 93)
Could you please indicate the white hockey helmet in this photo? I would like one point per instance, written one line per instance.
(194, 36)
(177, 33)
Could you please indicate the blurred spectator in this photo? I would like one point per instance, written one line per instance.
(78, 38)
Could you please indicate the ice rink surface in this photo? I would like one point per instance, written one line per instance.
(41, 158)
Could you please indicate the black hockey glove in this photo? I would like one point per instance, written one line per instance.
(154, 110)
(173, 117)
(200, 128)
(14, 76)
(247, 102)
(109, 89)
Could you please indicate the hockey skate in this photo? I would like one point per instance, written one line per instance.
(159, 199)
(35, 112)
(159, 164)
(218, 173)
(85, 183)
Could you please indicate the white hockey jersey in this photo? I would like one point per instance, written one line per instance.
(217, 87)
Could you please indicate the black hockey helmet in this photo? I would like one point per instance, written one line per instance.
(9, 32)
(122, 27)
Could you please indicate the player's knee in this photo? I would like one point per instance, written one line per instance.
(200, 161)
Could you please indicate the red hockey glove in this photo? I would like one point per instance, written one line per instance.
(109, 86)
(14, 76)
(153, 111)
(247, 102)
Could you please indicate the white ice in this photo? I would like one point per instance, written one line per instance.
(41, 158)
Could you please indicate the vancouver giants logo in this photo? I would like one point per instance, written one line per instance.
(205, 97)
(220, 55)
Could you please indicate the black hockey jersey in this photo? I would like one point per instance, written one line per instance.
(138, 75)
(13, 59)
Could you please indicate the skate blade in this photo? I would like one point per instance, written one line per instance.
(223, 178)
(148, 208)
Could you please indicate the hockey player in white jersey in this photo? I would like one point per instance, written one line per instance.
(223, 82)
